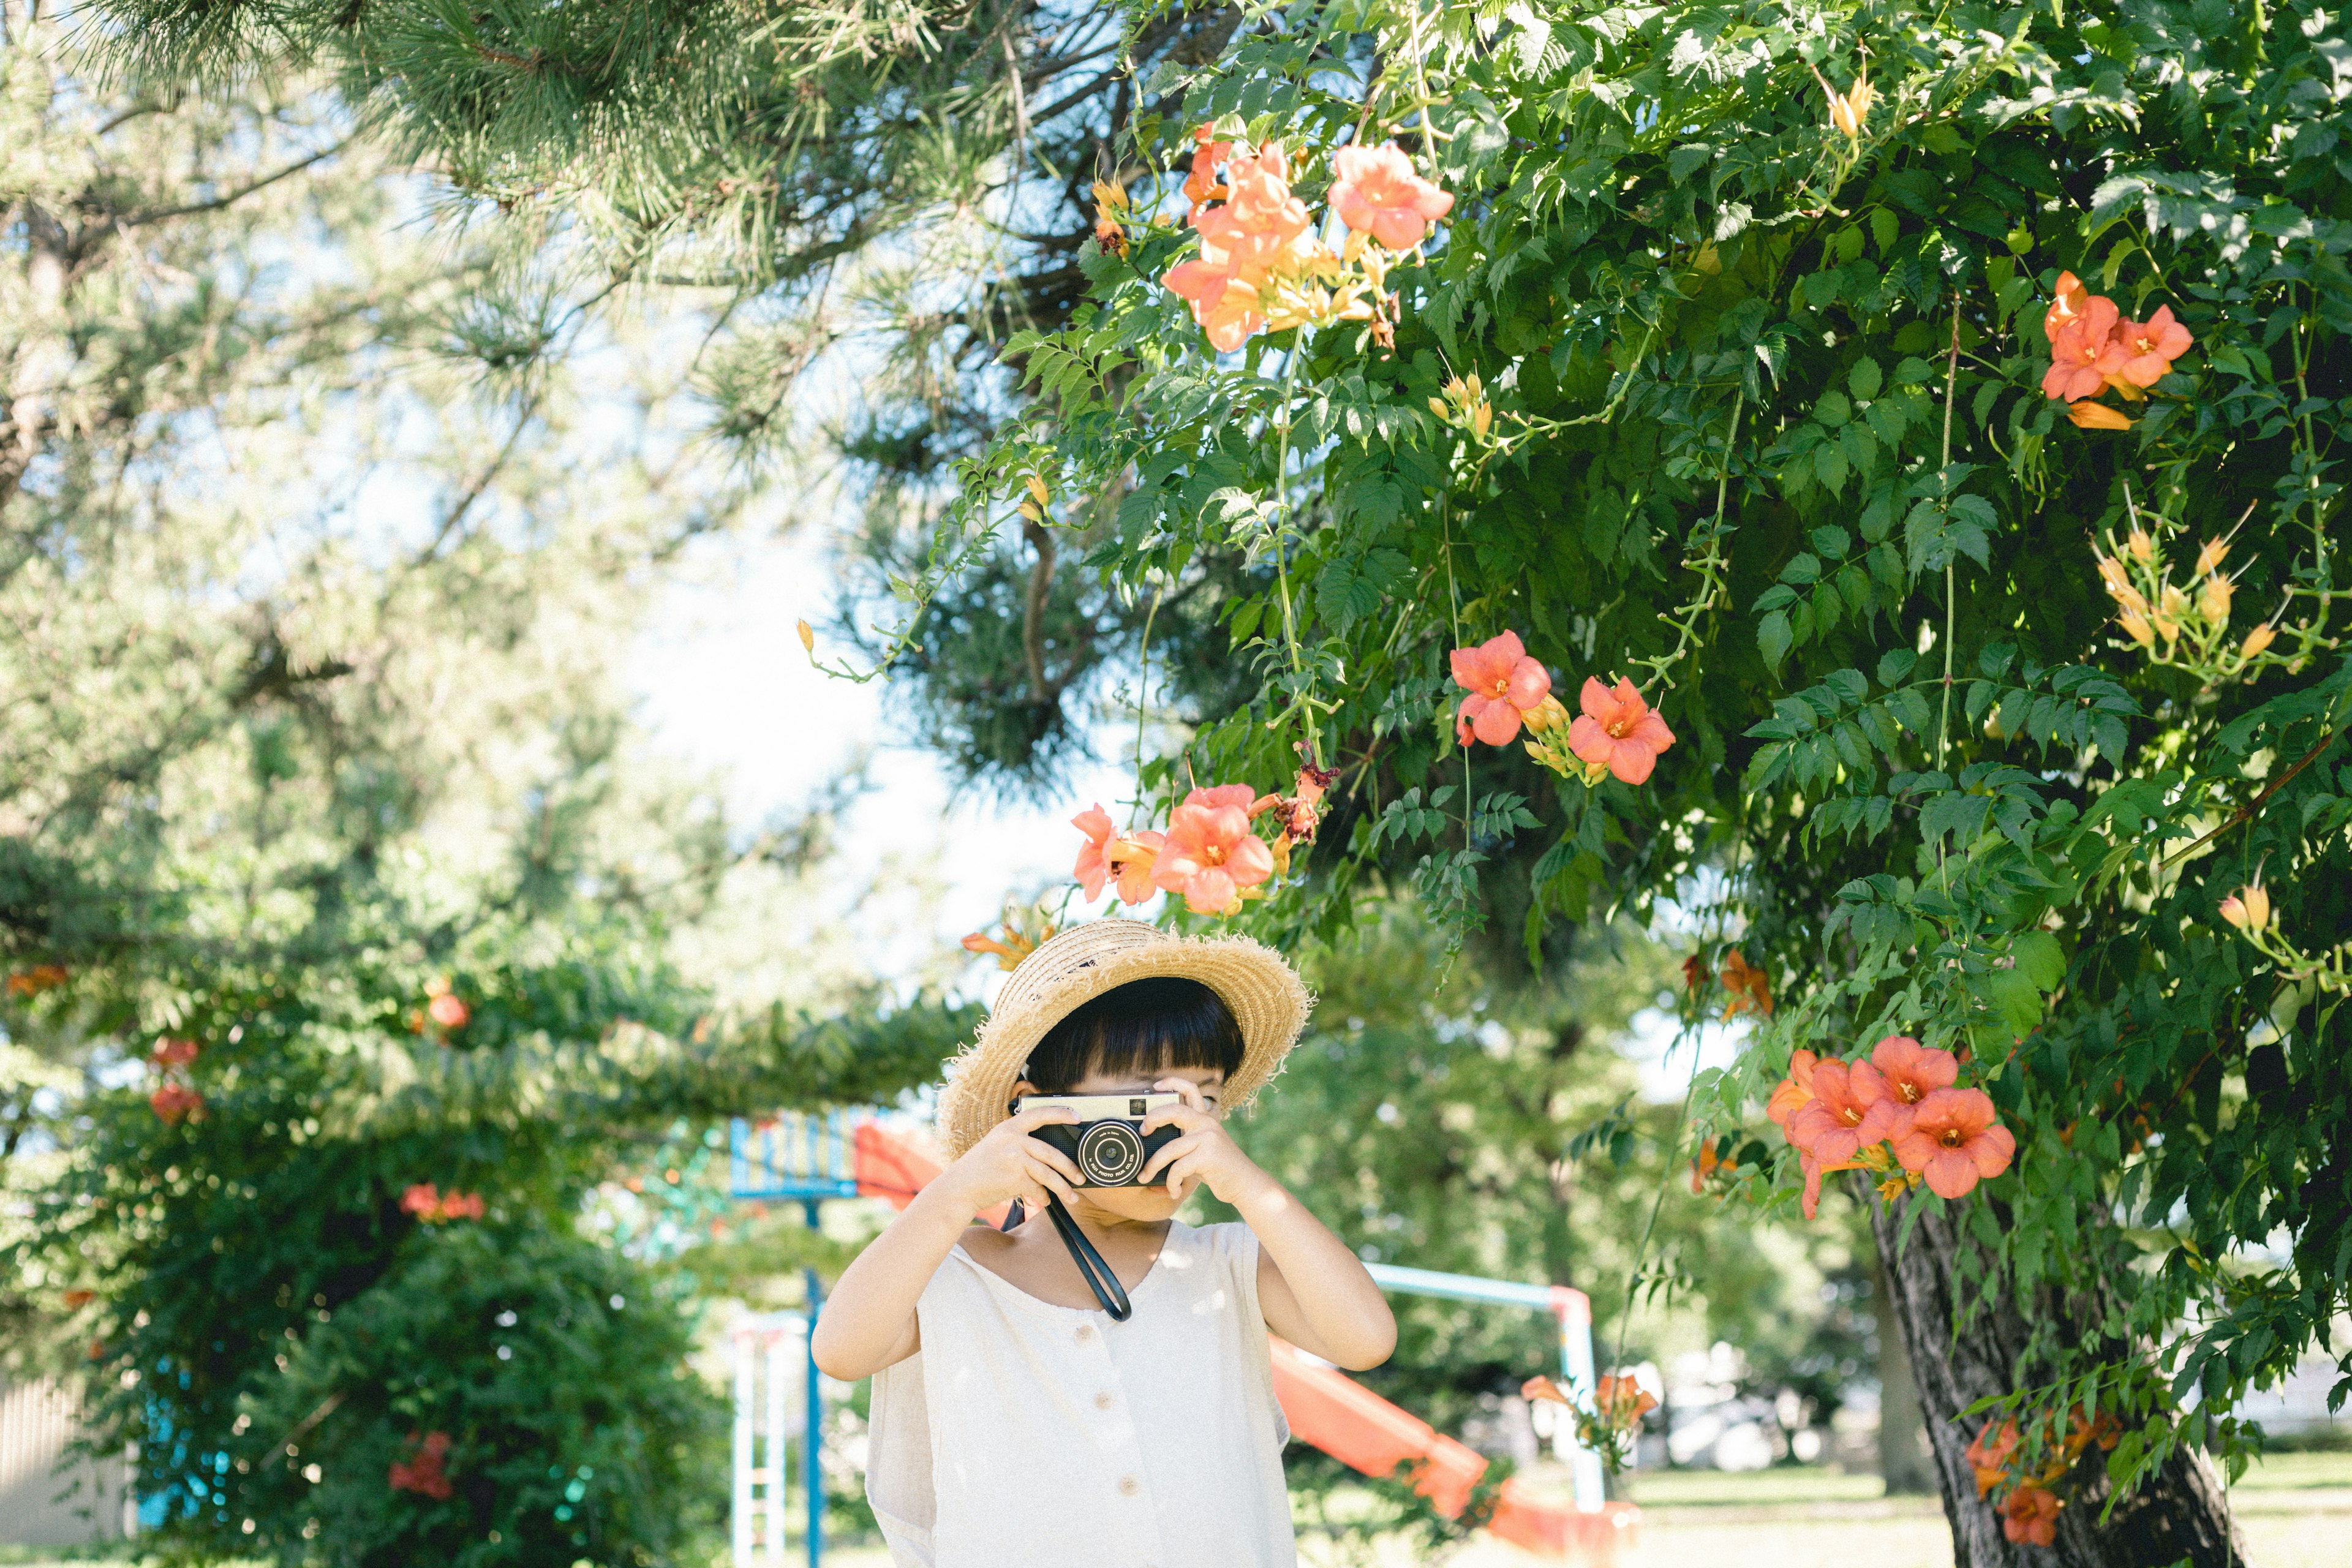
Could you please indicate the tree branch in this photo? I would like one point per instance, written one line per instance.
(158, 215)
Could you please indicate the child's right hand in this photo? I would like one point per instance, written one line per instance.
(1008, 1163)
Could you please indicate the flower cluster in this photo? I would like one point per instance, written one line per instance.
(2030, 1508)
(1849, 108)
(1617, 735)
(174, 1100)
(2249, 910)
(1263, 263)
(39, 978)
(445, 1007)
(1464, 406)
(2093, 349)
(422, 1472)
(1897, 1114)
(1607, 1428)
(2184, 627)
(174, 1103)
(1020, 939)
(432, 1207)
(1211, 854)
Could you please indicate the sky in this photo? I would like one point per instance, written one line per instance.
(725, 685)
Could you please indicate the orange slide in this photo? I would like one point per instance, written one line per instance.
(1348, 1421)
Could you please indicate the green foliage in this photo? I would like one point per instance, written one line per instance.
(1768, 422)
(557, 1369)
(1453, 1135)
(266, 1302)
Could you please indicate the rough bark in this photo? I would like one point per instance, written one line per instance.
(2179, 1513)
(1904, 1463)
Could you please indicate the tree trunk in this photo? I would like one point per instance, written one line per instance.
(1904, 1462)
(2179, 1513)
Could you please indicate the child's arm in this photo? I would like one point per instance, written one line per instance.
(1313, 1290)
(869, 1322)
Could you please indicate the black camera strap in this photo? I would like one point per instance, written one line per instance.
(1098, 1276)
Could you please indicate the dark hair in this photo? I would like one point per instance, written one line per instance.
(1143, 1026)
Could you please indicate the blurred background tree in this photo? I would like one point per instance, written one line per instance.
(332, 861)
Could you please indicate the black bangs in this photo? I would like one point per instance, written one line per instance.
(1136, 1030)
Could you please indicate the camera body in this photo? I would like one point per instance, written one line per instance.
(1107, 1142)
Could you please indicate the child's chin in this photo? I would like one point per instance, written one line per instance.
(1137, 1203)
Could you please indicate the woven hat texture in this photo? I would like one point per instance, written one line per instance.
(1267, 998)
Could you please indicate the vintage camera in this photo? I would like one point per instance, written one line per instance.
(1107, 1141)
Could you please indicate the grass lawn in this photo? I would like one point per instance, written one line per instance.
(2296, 1511)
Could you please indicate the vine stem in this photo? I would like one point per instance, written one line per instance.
(1143, 696)
(1453, 620)
(1951, 386)
(1709, 566)
(1666, 1180)
(1299, 694)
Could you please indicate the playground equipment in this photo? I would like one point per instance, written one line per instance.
(792, 1159)
(809, 1158)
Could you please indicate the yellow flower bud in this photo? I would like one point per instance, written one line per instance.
(1037, 488)
(2209, 558)
(2261, 638)
(2172, 607)
(2111, 572)
(2129, 598)
(2136, 627)
(1437, 406)
(1029, 509)
(808, 637)
(2142, 547)
(1482, 420)
(1546, 715)
(2248, 908)
(2214, 601)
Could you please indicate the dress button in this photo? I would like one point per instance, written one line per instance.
(1129, 1486)
(1103, 1401)
(1085, 1332)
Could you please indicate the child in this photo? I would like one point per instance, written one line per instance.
(1015, 1423)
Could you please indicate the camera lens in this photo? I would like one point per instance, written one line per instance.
(1110, 1153)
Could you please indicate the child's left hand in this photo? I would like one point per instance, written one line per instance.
(1205, 1154)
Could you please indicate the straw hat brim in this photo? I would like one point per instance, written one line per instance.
(1267, 996)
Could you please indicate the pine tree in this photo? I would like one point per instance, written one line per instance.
(331, 864)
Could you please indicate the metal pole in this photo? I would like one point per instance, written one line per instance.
(740, 1525)
(1574, 1311)
(813, 1439)
(775, 1470)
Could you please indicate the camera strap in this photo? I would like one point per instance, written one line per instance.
(1098, 1276)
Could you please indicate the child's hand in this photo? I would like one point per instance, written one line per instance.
(1008, 1163)
(1206, 1154)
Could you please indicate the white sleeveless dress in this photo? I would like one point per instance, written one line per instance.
(1025, 1435)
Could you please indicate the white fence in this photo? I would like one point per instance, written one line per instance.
(48, 1499)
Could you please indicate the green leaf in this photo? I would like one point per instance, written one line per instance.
(2038, 959)
(1865, 379)
(1773, 637)
(1830, 465)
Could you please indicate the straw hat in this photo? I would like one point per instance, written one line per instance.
(1269, 1001)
